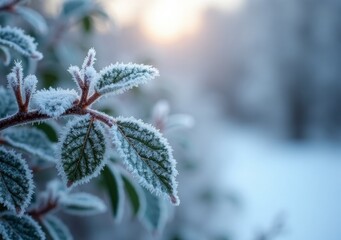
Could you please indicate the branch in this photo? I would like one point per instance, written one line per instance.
(35, 116)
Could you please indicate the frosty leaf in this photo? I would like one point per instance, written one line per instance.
(82, 151)
(19, 228)
(135, 195)
(54, 102)
(30, 140)
(120, 77)
(147, 155)
(6, 58)
(82, 204)
(114, 187)
(8, 104)
(155, 214)
(33, 18)
(16, 39)
(16, 185)
(55, 229)
(90, 59)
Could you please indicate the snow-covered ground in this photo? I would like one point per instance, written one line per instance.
(299, 181)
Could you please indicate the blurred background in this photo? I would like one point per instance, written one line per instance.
(254, 86)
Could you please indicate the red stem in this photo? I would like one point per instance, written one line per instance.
(34, 116)
(92, 99)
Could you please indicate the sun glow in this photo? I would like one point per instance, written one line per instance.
(168, 20)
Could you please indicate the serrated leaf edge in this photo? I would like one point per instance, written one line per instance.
(174, 196)
(29, 219)
(30, 183)
(59, 164)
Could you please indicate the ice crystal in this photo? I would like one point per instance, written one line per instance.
(16, 184)
(82, 151)
(147, 155)
(54, 102)
(119, 77)
(29, 85)
(20, 228)
(16, 39)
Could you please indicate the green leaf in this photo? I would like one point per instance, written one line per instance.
(8, 104)
(114, 186)
(16, 185)
(31, 140)
(82, 149)
(16, 39)
(55, 229)
(19, 228)
(135, 195)
(82, 204)
(147, 155)
(119, 77)
(154, 216)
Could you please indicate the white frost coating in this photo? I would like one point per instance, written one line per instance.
(54, 102)
(76, 75)
(23, 185)
(20, 227)
(119, 77)
(15, 77)
(90, 75)
(89, 59)
(147, 155)
(12, 80)
(16, 39)
(56, 228)
(30, 84)
(69, 131)
(82, 204)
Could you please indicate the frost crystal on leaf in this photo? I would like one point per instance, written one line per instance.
(54, 102)
(30, 84)
(147, 155)
(82, 149)
(16, 185)
(90, 59)
(82, 204)
(15, 77)
(8, 104)
(55, 229)
(120, 77)
(16, 39)
(30, 140)
(19, 228)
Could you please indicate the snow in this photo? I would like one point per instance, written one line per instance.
(300, 181)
